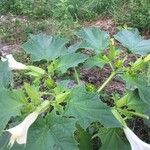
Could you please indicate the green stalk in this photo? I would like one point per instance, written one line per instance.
(118, 116)
(77, 76)
(107, 81)
(135, 114)
(140, 115)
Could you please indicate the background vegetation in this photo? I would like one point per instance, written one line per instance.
(133, 12)
(19, 18)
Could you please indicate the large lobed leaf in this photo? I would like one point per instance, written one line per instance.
(45, 47)
(93, 38)
(87, 108)
(10, 106)
(133, 41)
(5, 75)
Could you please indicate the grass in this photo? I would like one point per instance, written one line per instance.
(15, 29)
(62, 17)
(135, 13)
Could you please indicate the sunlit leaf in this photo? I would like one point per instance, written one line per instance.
(133, 41)
(45, 47)
(33, 93)
(93, 38)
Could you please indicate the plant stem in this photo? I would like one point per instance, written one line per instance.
(118, 116)
(77, 76)
(140, 115)
(135, 114)
(111, 66)
(107, 81)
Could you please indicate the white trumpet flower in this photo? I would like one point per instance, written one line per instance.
(13, 64)
(135, 142)
(19, 132)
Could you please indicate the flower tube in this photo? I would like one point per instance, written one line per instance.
(135, 142)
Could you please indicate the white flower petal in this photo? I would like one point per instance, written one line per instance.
(3, 59)
(135, 142)
(19, 132)
(22, 139)
(11, 142)
(13, 64)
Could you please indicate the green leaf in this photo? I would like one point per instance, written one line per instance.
(131, 80)
(53, 133)
(143, 89)
(95, 61)
(73, 48)
(148, 75)
(70, 60)
(144, 93)
(5, 75)
(10, 106)
(33, 93)
(35, 71)
(87, 108)
(4, 140)
(112, 139)
(45, 47)
(85, 139)
(134, 102)
(133, 41)
(93, 38)
(139, 82)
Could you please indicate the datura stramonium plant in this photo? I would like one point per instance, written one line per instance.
(135, 142)
(13, 64)
(19, 132)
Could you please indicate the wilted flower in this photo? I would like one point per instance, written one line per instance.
(13, 64)
(19, 132)
(135, 142)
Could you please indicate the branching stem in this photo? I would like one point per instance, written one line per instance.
(76, 76)
(107, 81)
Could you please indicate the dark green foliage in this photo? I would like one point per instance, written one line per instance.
(133, 12)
